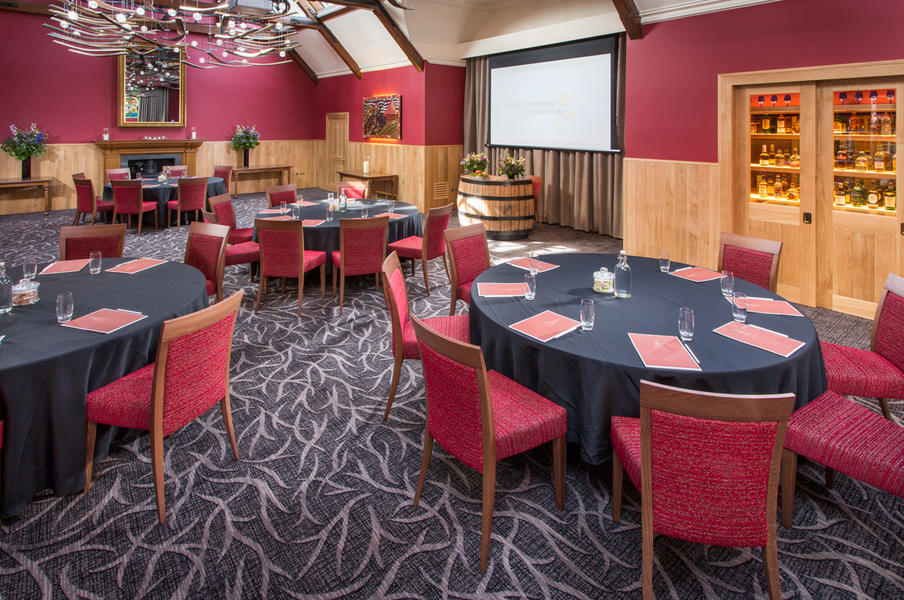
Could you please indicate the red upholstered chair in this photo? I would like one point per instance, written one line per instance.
(752, 259)
(282, 254)
(174, 171)
(189, 376)
(362, 250)
(353, 189)
(224, 210)
(79, 242)
(483, 417)
(206, 251)
(428, 247)
(86, 203)
(404, 342)
(281, 193)
(225, 172)
(707, 468)
(879, 371)
(128, 199)
(242, 253)
(118, 174)
(537, 183)
(192, 198)
(846, 437)
(469, 256)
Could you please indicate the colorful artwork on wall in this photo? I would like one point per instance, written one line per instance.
(383, 117)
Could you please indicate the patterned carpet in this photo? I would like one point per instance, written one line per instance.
(320, 504)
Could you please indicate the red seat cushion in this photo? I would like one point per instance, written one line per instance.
(625, 436)
(145, 207)
(847, 437)
(127, 401)
(240, 254)
(238, 236)
(456, 327)
(287, 266)
(464, 292)
(523, 419)
(856, 372)
(104, 206)
(410, 247)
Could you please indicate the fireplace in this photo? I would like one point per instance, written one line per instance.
(184, 152)
(148, 165)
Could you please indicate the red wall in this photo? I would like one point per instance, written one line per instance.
(72, 97)
(445, 104)
(671, 73)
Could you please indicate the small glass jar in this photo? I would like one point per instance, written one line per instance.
(25, 292)
(603, 281)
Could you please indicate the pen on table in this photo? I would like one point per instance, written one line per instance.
(691, 352)
(768, 330)
(134, 312)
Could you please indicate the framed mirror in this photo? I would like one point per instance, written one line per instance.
(151, 89)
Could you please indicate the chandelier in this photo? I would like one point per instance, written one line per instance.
(233, 33)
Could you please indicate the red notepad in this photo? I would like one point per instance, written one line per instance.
(311, 222)
(761, 338)
(134, 266)
(280, 218)
(272, 211)
(546, 326)
(64, 266)
(697, 274)
(524, 263)
(391, 215)
(105, 320)
(304, 203)
(501, 289)
(663, 352)
(768, 306)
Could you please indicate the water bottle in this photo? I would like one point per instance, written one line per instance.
(6, 291)
(622, 276)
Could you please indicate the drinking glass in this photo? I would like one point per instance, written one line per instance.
(296, 211)
(29, 267)
(282, 206)
(531, 280)
(364, 212)
(299, 197)
(64, 307)
(391, 205)
(532, 262)
(686, 323)
(586, 315)
(739, 307)
(665, 263)
(94, 262)
(727, 283)
(330, 197)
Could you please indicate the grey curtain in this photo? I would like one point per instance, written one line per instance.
(582, 190)
(154, 105)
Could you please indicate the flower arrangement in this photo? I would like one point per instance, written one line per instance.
(25, 143)
(245, 137)
(475, 163)
(511, 167)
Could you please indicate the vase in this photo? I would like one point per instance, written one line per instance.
(245, 157)
(26, 168)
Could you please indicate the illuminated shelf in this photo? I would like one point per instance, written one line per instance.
(774, 200)
(773, 168)
(864, 174)
(775, 136)
(775, 110)
(864, 210)
(865, 137)
(859, 108)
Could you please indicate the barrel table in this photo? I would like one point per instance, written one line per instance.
(505, 206)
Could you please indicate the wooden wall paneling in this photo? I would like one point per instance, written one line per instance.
(824, 189)
(805, 255)
(441, 172)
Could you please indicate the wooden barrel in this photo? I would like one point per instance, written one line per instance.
(505, 206)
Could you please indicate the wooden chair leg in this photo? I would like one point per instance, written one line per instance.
(139, 217)
(323, 280)
(446, 267)
(93, 217)
(789, 481)
(646, 534)
(341, 292)
(378, 278)
(413, 266)
(156, 220)
(426, 277)
(282, 287)
(396, 372)
(886, 411)
(454, 302)
(75, 220)
(91, 436)
(489, 497)
(157, 464)
(179, 219)
(261, 284)
(770, 564)
(226, 409)
(618, 478)
(335, 269)
(558, 461)
(300, 291)
(830, 478)
(425, 461)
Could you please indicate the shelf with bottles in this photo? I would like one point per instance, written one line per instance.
(780, 189)
(873, 196)
(774, 116)
(775, 136)
(774, 168)
(770, 156)
(858, 158)
(864, 137)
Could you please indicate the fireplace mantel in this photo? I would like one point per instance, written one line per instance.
(114, 149)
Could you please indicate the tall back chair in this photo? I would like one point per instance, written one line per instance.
(86, 203)
(752, 259)
(189, 376)
(353, 189)
(428, 247)
(192, 198)
(879, 371)
(206, 251)
(362, 250)
(483, 417)
(469, 256)
(224, 172)
(173, 171)
(79, 242)
(118, 174)
(128, 199)
(694, 449)
(281, 193)
(222, 207)
(282, 254)
(404, 341)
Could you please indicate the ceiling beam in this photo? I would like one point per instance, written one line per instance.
(337, 13)
(294, 55)
(33, 8)
(337, 46)
(399, 36)
(630, 18)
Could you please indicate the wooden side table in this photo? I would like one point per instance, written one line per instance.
(284, 171)
(40, 182)
(372, 178)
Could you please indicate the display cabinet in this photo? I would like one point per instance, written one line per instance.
(775, 148)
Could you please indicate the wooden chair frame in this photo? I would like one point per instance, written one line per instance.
(351, 224)
(390, 266)
(452, 235)
(220, 231)
(73, 231)
(433, 213)
(133, 183)
(77, 179)
(472, 356)
(117, 172)
(185, 181)
(751, 243)
(276, 189)
(264, 280)
(174, 329)
(719, 407)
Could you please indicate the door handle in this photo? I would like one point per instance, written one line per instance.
(808, 218)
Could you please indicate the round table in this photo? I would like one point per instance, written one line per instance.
(597, 374)
(161, 193)
(47, 370)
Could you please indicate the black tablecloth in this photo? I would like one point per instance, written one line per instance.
(597, 374)
(47, 370)
(161, 193)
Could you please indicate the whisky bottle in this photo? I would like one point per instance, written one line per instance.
(874, 196)
(764, 156)
(841, 157)
(793, 192)
(780, 124)
(786, 186)
(885, 126)
(766, 124)
(794, 159)
(879, 160)
(858, 194)
(863, 162)
(761, 186)
(777, 191)
(779, 158)
(891, 200)
(772, 154)
(839, 126)
(795, 124)
(839, 194)
(770, 188)
(753, 127)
